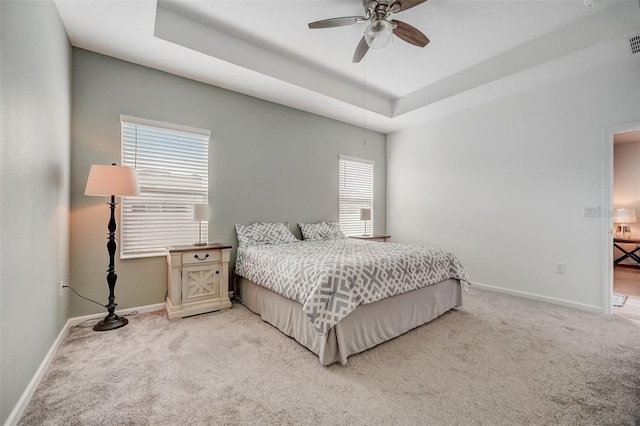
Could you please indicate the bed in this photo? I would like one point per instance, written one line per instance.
(338, 296)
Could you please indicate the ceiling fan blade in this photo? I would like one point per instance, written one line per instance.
(410, 34)
(337, 22)
(361, 50)
(407, 4)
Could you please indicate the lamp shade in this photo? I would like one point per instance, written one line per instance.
(365, 214)
(112, 180)
(378, 33)
(624, 216)
(200, 212)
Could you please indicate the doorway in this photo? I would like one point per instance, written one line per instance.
(623, 224)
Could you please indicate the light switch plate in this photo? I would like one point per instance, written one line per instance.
(591, 211)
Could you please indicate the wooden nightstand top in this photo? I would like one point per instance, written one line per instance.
(627, 241)
(212, 246)
(370, 237)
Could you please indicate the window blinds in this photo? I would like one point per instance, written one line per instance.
(172, 164)
(356, 192)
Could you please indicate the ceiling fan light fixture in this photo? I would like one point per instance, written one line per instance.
(378, 33)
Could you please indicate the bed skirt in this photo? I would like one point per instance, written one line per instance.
(368, 325)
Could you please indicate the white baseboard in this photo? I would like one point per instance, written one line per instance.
(532, 296)
(22, 403)
(141, 310)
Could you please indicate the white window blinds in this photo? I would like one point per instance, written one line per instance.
(172, 164)
(356, 192)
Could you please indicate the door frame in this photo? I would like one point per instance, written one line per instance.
(607, 210)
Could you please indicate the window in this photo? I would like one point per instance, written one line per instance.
(356, 192)
(172, 163)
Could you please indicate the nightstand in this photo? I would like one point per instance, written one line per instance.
(632, 253)
(379, 238)
(198, 279)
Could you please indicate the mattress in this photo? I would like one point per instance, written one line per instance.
(365, 327)
(331, 278)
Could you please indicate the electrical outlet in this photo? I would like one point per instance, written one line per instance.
(561, 268)
(61, 287)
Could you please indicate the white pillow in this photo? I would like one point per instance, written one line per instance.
(264, 233)
(321, 231)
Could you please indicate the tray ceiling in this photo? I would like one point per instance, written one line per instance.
(479, 50)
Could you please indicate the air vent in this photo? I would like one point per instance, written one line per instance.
(634, 44)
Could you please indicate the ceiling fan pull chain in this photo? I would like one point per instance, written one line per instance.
(364, 103)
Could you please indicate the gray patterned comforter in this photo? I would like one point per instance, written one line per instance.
(330, 278)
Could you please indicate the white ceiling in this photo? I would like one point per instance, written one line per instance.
(480, 50)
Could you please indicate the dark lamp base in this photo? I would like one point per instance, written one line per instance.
(111, 322)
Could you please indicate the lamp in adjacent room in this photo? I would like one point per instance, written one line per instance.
(365, 214)
(623, 217)
(112, 181)
(200, 212)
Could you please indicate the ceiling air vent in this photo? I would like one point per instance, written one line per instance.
(634, 44)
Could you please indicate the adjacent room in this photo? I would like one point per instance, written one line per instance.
(626, 275)
(308, 212)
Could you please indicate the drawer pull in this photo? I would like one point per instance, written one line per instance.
(196, 256)
(217, 272)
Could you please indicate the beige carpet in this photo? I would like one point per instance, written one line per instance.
(499, 360)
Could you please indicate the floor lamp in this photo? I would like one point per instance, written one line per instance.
(111, 181)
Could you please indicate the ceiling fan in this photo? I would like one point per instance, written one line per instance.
(378, 33)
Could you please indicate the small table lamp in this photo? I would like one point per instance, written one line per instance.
(200, 212)
(623, 217)
(112, 181)
(365, 214)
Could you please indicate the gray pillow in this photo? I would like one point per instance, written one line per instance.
(264, 233)
(321, 231)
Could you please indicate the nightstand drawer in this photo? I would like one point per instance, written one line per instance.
(200, 257)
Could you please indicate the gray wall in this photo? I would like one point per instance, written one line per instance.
(267, 162)
(34, 183)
